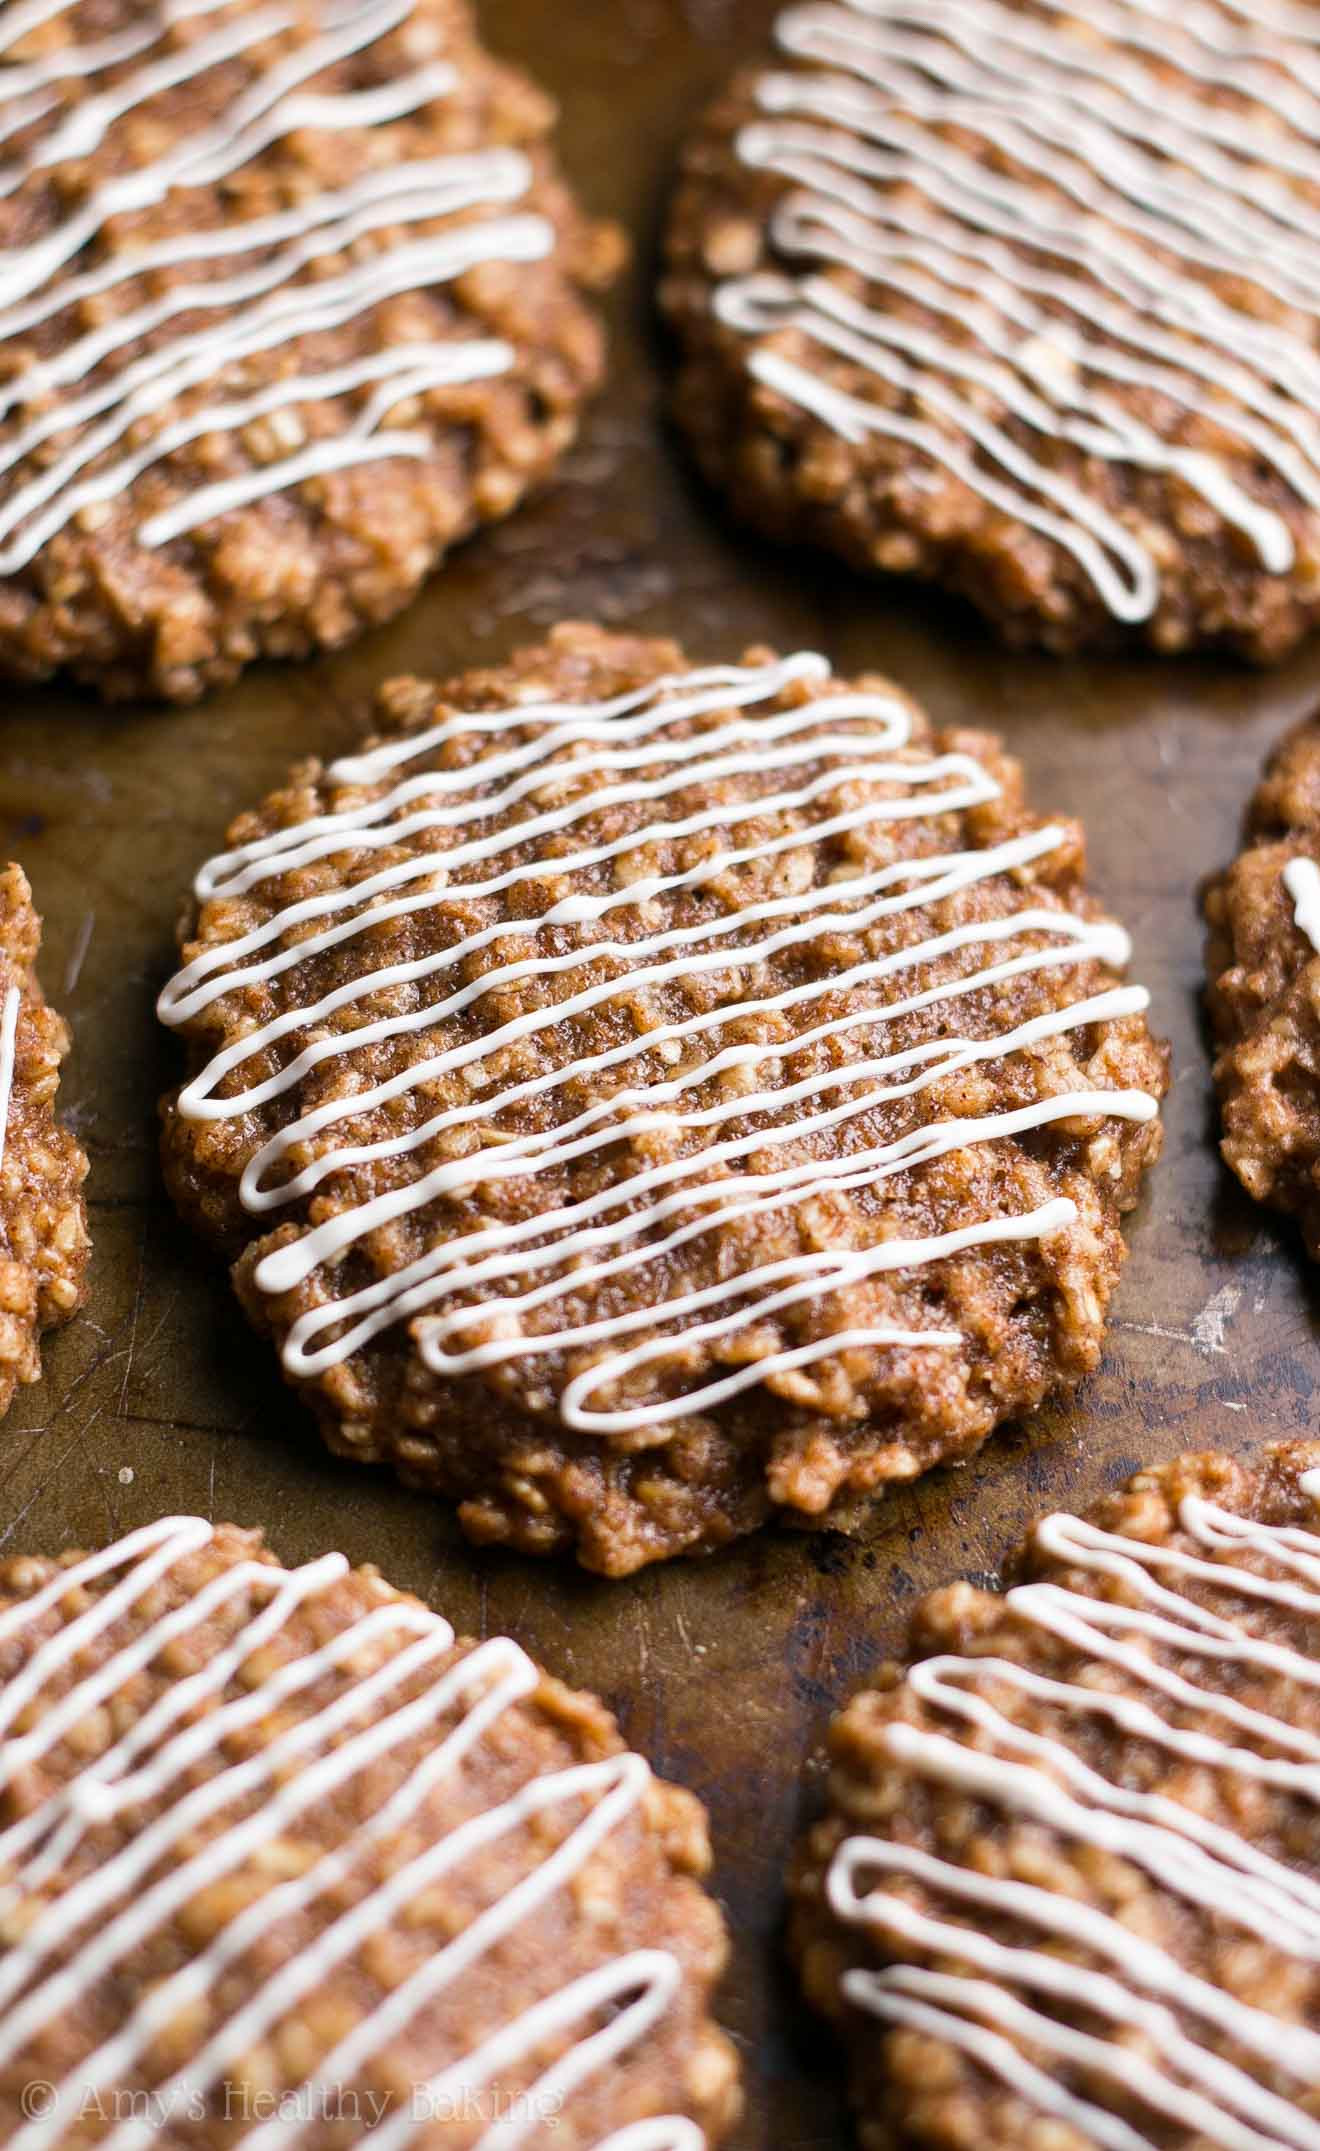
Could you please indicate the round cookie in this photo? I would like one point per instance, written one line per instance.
(43, 1219)
(1263, 961)
(1020, 297)
(1066, 1890)
(639, 1100)
(291, 299)
(288, 1864)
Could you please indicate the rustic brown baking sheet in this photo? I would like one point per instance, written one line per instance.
(158, 1400)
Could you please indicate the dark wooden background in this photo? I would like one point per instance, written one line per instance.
(158, 1400)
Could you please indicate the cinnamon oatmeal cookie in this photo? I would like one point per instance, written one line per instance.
(286, 1863)
(1020, 297)
(43, 1219)
(1263, 962)
(1066, 1890)
(639, 1099)
(291, 299)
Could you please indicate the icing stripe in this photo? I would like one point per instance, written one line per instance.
(835, 764)
(93, 399)
(1048, 294)
(1301, 878)
(116, 1906)
(1166, 2029)
(998, 2055)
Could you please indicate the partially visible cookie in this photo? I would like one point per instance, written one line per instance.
(43, 1219)
(1067, 1891)
(291, 300)
(1263, 961)
(286, 1863)
(1019, 297)
(642, 1099)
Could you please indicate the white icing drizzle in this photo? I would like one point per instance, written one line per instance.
(96, 401)
(116, 1906)
(1301, 878)
(497, 1279)
(1167, 2035)
(8, 1040)
(1049, 302)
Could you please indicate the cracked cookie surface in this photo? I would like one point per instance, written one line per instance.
(1018, 297)
(1064, 1890)
(643, 1099)
(292, 300)
(289, 1863)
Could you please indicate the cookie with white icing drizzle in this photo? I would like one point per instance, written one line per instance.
(44, 1242)
(640, 1099)
(1263, 962)
(1022, 297)
(284, 1863)
(1067, 1888)
(292, 298)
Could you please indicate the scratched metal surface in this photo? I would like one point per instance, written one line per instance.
(157, 1399)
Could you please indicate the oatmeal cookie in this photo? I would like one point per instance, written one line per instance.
(1263, 961)
(43, 1219)
(291, 300)
(639, 1100)
(1065, 1892)
(288, 1863)
(1019, 297)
